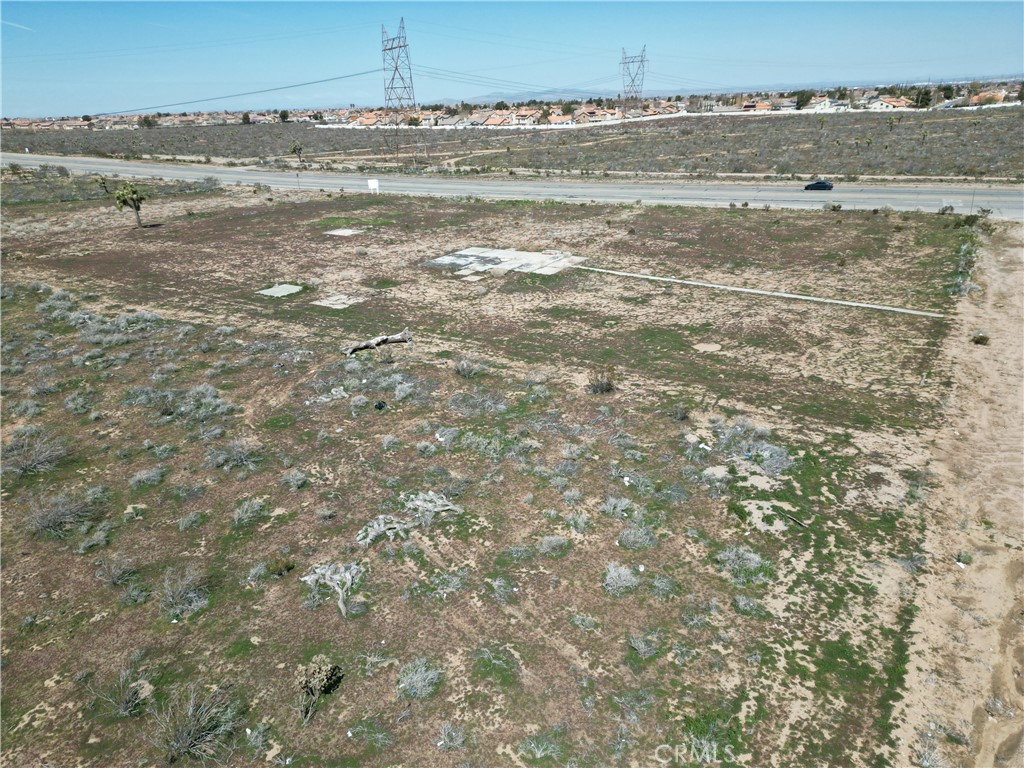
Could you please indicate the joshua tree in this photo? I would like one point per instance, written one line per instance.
(129, 195)
(297, 150)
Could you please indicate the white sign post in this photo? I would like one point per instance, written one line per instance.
(374, 185)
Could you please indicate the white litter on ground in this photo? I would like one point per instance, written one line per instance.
(499, 261)
(344, 232)
(339, 301)
(277, 291)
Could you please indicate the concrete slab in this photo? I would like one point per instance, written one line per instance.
(339, 301)
(500, 261)
(344, 232)
(282, 289)
(473, 278)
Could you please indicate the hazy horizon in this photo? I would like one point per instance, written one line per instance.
(65, 58)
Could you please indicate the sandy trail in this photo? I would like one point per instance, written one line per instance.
(967, 651)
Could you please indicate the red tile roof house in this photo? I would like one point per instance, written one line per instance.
(526, 117)
(498, 119)
(561, 120)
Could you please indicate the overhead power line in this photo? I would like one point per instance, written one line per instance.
(237, 95)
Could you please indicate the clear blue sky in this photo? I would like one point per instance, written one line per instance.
(61, 58)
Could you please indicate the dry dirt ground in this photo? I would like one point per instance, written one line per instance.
(849, 636)
(968, 648)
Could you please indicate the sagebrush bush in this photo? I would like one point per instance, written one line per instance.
(32, 450)
(293, 479)
(183, 592)
(744, 565)
(619, 579)
(418, 679)
(248, 510)
(124, 697)
(195, 723)
(56, 515)
(241, 453)
(145, 477)
(453, 737)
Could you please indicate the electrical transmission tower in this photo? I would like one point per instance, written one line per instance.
(633, 69)
(398, 92)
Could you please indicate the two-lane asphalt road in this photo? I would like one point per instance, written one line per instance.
(1005, 201)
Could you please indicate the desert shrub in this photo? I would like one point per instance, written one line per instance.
(202, 403)
(619, 579)
(467, 368)
(248, 510)
(664, 587)
(162, 452)
(134, 593)
(501, 589)
(418, 679)
(518, 553)
(293, 479)
(124, 697)
(144, 477)
(453, 737)
(497, 664)
(77, 403)
(601, 379)
(553, 546)
(748, 606)
(478, 403)
(115, 570)
(572, 496)
(578, 521)
(912, 563)
(195, 723)
(638, 536)
(32, 450)
(584, 622)
(242, 453)
(646, 645)
(56, 515)
(544, 745)
(745, 566)
(447, 583)
(183, 592)
(370, 732)
(316, 679)
(26, 409)
(615, 506)
(189, 520)
(98, 537)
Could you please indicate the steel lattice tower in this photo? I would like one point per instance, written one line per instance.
(399, 96)
(633, 69)
(398, 92)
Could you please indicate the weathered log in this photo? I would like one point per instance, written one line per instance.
(378, 341)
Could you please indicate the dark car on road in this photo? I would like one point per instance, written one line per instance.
(820, 185)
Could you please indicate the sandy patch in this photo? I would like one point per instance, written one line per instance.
(968, 643)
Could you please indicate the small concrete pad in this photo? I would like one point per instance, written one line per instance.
(344, 232)
(499, 261)
(473, 278)
(282, 289)
(339, 301)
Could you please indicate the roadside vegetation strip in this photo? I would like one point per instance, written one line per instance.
(758, 292)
